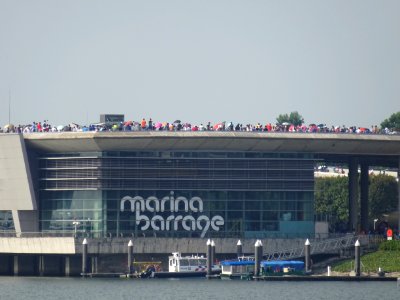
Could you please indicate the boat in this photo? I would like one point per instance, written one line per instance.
(243, 268)
(186, 266)
(282, 268)
(240, 268)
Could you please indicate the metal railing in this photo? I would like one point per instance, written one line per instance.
(322, 246)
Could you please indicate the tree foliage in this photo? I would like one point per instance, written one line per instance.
(331, 198)
(393, 122)
(293, 118)
(382, 195)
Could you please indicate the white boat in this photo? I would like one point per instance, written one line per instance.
(194, 263)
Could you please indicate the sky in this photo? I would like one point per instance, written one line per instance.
(334, 62)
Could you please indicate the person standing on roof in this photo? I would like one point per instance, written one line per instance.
(143, 124)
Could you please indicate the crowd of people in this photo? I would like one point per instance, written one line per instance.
(177, 125)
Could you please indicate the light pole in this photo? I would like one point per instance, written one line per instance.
(375, 220)
(75, 223)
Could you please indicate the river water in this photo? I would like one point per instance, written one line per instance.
(42, 288)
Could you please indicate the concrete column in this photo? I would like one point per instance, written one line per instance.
(15, 265)
(357, 262)
(130, 251)
(67, 270)
(41, 265)
(364, 198)
(307, 256)
(84, 257)
(93, 263)
(239, 249)
(257, 258)
(212, 253)
(209, 251)
(353, 193)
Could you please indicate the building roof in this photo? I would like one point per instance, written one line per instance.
(349, 144)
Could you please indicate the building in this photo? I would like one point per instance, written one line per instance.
(164, 193)
(168, 192)
(173, 184)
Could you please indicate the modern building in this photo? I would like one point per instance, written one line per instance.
(173, 184)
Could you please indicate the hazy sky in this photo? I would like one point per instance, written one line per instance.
(335, 62)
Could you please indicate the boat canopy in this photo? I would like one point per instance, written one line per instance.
(237, 262)
(280, 264)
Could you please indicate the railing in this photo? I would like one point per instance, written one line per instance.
(9, 233)
(322, 246)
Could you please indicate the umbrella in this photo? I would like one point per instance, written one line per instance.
(285, 123)
(128, 123)
(60, 127)
(158, 125)
(9, 126)
(177, 121)
(218, 126)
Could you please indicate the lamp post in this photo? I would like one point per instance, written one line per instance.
(75, 223)
(375, 220)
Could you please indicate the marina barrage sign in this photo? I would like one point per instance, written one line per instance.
(195, 221)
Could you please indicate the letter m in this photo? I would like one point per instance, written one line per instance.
(136, 203)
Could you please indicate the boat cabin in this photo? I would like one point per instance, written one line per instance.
(194, 263)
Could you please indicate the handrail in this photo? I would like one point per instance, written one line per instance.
(318, 247)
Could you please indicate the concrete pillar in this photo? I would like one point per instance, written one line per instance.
(212, 253)
(353, 193)
(67, 265)
(257, 258)
(357, 262)
(130, 252)
(209, 258)
(93, 264)
(364, 198)
(41, 265)
(307, 256)
(84, 257)
(239, 249)
(16, 265)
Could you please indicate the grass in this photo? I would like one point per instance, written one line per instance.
(388, 260)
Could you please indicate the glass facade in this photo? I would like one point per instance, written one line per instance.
(178, 194)
(6, 220)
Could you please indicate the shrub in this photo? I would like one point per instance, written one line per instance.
(390, 246)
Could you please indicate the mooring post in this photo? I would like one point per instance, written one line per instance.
(209, 254)
(84, 257)
(212, 253)
(307, 256)
(239, 249)
(257, 258)
(130, 251)
(357, 263)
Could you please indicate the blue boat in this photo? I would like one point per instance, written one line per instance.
(243, 268)
(282, 267)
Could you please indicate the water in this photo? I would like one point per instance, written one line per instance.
(94, 288)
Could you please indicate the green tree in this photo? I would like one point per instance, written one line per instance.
(382, 195)
(293, 118)
(393, 122)
(331, 200)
